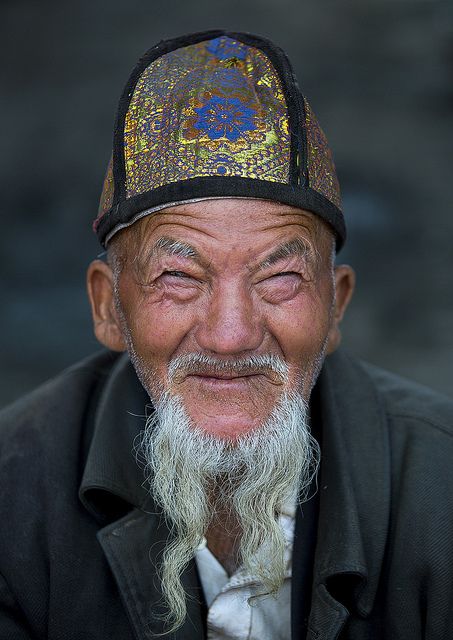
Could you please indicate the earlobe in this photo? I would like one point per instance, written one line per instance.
(344, 288)
(107, 327)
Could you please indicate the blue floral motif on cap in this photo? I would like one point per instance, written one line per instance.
(230, 79)
(224, 48)
(225, 118)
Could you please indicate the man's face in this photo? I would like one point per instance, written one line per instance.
(229, 279)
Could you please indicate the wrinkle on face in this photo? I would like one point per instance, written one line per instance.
(131, 241)
(257, 279)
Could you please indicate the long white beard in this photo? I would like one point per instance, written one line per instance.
(256, 474)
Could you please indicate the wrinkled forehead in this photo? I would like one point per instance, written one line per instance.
(226, 222)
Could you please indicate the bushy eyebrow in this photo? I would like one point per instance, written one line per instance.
(163, 246)
(296, 247)
(174, 248)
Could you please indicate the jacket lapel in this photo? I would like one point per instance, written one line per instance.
(133, 546)
(354, 494)
(327, 617)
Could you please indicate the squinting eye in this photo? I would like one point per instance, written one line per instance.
(279, 287)
(176, 274)
(285, 273)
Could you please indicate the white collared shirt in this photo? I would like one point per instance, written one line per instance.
(230, 617)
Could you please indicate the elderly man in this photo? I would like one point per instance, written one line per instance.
(250, 487)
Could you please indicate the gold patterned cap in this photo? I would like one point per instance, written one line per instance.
(210, 115)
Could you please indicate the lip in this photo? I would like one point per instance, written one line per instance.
(226, 381)
(226, 376)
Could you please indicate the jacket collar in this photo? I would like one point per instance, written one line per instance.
(112, 480)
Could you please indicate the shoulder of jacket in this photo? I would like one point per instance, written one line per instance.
(60, 399)
(406, 401)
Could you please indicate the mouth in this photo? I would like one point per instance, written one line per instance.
(224, 381)
(223, 376)
(267, 367)
(231, 378)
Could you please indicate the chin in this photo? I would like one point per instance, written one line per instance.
(227, 428)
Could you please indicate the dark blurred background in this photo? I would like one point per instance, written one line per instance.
(378, 74)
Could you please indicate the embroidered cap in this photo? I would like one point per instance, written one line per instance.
(211, 115)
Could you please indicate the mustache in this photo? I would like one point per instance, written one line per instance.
(267, 364)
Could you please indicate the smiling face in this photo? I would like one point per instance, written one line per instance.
(226, 303)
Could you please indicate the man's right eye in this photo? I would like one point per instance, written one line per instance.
(175, 274)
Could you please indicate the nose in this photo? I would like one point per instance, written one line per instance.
(232, 323)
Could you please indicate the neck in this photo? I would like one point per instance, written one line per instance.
(223, 538)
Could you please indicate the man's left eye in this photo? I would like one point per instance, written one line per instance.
(285, 273)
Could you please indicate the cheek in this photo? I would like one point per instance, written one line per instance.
(157, 329)
(301, 327)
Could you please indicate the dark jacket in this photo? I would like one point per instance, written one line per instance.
(79, 535)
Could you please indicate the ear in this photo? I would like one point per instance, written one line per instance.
(344, 288)
(107, 326)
